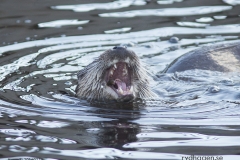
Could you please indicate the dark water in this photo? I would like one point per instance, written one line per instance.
(44, 43)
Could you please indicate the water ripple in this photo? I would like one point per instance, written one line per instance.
(106, 6)
(169, 12)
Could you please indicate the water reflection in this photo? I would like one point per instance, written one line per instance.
(232, 2)
(192, 24)
(168, 12)
(121, 30)
(60, 23)
(104, 6)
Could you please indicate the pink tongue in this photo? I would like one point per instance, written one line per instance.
(122, 84)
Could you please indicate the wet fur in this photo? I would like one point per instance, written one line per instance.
(91, 78)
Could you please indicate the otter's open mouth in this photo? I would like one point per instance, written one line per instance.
(118, 78)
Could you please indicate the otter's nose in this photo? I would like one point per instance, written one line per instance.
(120, 47)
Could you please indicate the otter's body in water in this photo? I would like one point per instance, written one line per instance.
(117, 74)
(220, 57)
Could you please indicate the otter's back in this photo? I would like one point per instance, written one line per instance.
(220, 57)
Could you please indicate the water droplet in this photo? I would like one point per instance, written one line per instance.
(214, 89)
(28, 21)
(174, 40)
(68, 83)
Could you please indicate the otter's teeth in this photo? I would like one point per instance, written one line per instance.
(131, 89)
(120, 90)
(111, 72)
(124, 71)
(115, 66)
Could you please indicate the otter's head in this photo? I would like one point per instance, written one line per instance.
(117, 74)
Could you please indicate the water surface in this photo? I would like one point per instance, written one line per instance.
(43, 45)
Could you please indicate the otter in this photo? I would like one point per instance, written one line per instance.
(117, 74)
(219, 57)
